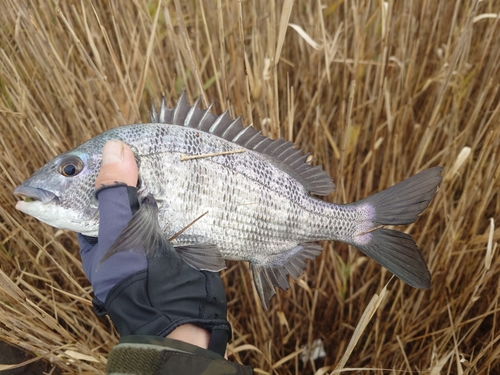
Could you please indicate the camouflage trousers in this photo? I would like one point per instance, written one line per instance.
(151, 355)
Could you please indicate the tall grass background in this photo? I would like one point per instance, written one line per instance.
(375, 90)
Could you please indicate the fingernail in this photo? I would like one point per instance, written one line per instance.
(112, 152)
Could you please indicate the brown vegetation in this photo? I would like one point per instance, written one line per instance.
(377, 91)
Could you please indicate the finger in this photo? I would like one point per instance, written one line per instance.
(118, 165)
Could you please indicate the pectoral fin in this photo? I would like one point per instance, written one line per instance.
(142, 233)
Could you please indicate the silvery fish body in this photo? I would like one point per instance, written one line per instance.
(255, 198)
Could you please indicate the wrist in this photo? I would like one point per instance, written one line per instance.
(191, 334)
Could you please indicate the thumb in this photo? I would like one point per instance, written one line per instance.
(118, 165)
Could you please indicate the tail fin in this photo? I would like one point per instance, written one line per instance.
(397, 252)
(400, 204)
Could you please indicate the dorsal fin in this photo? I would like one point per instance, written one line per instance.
(279, 152)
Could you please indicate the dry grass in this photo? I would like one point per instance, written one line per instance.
(379, 91)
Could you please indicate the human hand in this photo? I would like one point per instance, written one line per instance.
(160, 296)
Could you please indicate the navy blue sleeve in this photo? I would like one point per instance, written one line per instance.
(117, 204)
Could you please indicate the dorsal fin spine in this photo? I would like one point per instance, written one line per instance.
(301, 160)
(279, 147)
(288, 154)
(241, 133)
(206, 116)
(191, 112)
(255, 140)
(181, 110)
(220, 120)
(153, 115)
(262, 145)
(163, 110)
(234, 127)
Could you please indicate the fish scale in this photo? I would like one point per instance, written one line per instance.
(260, 204)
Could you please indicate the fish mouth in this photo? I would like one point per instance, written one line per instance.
(31, 194)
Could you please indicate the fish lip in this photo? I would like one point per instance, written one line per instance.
(36, 194)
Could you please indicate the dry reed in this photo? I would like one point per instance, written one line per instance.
(376, 90)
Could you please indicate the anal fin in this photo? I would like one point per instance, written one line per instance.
(274, 272)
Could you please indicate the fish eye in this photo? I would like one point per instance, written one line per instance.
(70, 166)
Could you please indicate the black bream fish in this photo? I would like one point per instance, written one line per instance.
(257, 203)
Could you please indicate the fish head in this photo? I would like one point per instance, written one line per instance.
(61, 193)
